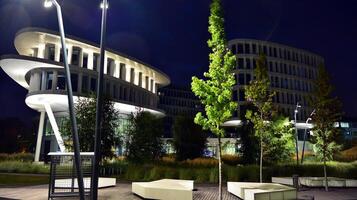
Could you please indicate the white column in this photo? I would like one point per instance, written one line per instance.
(116, 70)
(90, 60)
(41, 51)
(127, 71)
(57, 52)
(69, 55)
(39, 136)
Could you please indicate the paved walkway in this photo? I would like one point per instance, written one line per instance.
(122, 191)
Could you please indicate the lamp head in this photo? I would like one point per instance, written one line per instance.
(47, 3)
(102, 5)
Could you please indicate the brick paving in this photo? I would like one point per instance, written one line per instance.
(122, 191)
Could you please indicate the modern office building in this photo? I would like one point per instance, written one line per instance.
(291, 71)
(131, 83)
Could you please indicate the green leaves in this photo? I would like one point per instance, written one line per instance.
(215, 92)
(328, 111)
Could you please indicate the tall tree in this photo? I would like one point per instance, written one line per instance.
(85, 113)
(215, 92)
(327, 112)
(189, 138)
(257, 92)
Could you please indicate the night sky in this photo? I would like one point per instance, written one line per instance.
(171, 35)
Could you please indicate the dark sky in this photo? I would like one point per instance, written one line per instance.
(171, 35)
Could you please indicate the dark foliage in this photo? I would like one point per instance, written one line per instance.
(189, 138)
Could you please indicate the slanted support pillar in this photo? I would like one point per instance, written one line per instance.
(40, 136)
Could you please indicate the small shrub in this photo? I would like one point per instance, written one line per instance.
(186, 174)
(231, 159)
(23, 167)
(202, 175)
(23, 157)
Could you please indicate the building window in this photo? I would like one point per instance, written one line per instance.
(146, 82)
(140, 79)
(93, 84)
(247, 48)
(95, 61)
(61, 55)
(74, 81)
(240, 48)
(49, 80)
(241, 95)
(240, 63)
(241, 79)
(152, 85)
(247, 63)
(234, 49)
(110, 67)
(265, 50)
(85, 84)
(107, 88)
(270, 66)
(50, 51)
(122, 71)
(247, 78)
(85, 61)
(61, 81)
(76, 51)
(254, 48)
(132, 75)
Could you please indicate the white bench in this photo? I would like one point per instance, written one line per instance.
(261, 191)
(102, 182)
(164, 189)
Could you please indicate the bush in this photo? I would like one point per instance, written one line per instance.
(231, 159)
(23, 167)
(24, 157)
(206, 171)
(347, 155)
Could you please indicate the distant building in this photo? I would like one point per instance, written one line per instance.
(348, 128)
(291, 72)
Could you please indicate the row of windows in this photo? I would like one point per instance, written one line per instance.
(79, 58)
(53, 80)
(177, 93)
(179, 102)
(291, 84)
(171, 110)
(277, 82)
(280, 97)
(278, 67)
(273, 51)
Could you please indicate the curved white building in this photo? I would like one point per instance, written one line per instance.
(132, 84)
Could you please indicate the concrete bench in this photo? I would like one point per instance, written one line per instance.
(102, 182)
(164, 189)
(261, 191)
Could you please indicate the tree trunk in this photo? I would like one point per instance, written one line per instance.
(219, 169)
(261, 160)
(325, 174)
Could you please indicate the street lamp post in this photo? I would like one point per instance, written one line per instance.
(98, 124)
(48, 3)
(303, 145)
(296, 132)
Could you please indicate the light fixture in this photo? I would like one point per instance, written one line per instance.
(102, 6)
(47, 3)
